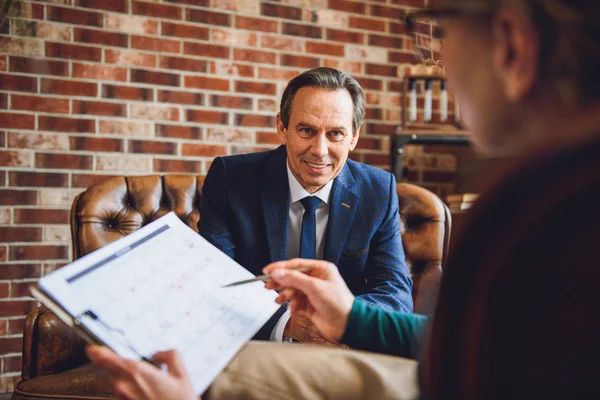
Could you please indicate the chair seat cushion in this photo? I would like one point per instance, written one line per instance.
(84, 382)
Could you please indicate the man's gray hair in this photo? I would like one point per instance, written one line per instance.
(328, 79)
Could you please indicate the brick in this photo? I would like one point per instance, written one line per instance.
(155, 44)
(366, 53)
(268, 105)
(100, 72)
(381, 129)
(96, 144)
(3, 253)
(73, 16)
(131, 24)
(325, 48)
(20, 234)
(410, 3)
(69, 88)
(38, 103)
(126, 128)
(3, 62)
(240, 6)
(156, 10)
(154, 78)
(379, 69)
(294, 60)
(197, 3)
(222, 68)
(376, 159)
(11, 345)
(100, 37)
(180, 166)
(345, 36)
(16, 325)
(87, 180)
(328, 18)
(184, 31)
(202, 150)
(62, 124)
(5, 28)
(127, 93)
(255, 87)
(231, 102)
(206, 117)
(277, 73)
(179, 131)
(397, 28)
(36, 179)
(370, 83)
(152, 147)
(306, 31)
(280, 11)
(4, 293)
(206, 83)
(182, 63)
(208, 17)
(256, 24)
(13, 308)
(265, 121)
(3, 102)
(229, 135)
(368, 144)
(17, 121)
(130, 58)
(268, 138)
(282, 43)
(62, 161)
(180, 97)
(73, 51)
(386, 41)
(205, 50)
(234, 37)
(401, 58)
(99, 108)
(11, 158)
(17, 197)
(370, 24)
(348, 6)
(129, 163)
(20, 289)
(18, 83)
(45, 141)
(106, 5)
(41, 30)
(154, 112)
(388, 12)
(254, 56)
(22, 47)
(19, 271)
(37, 252)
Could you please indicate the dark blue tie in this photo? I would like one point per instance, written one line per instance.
(308, 236)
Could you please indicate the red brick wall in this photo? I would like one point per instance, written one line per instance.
(93, 88)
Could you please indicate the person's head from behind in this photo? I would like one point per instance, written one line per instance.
(515, 64)
(321, 113)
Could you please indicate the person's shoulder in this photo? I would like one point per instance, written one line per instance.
(368, 175)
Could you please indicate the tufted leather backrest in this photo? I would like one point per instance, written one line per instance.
(116, 207)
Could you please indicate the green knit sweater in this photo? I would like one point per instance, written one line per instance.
(373, 329)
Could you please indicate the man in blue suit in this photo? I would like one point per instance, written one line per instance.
(307, 199)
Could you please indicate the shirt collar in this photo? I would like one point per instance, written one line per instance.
(297, 192)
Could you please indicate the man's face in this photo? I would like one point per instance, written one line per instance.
(319, 135)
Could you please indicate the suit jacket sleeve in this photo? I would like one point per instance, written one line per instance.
(213, 225)
(389, 285)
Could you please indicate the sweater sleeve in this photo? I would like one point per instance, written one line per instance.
(373, 329)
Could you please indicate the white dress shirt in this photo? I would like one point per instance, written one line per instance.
(297, 193)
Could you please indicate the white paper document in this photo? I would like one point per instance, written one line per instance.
(160, 288)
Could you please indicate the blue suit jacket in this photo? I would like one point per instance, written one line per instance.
(244, 213)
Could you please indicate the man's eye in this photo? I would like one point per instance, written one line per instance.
(306, 130)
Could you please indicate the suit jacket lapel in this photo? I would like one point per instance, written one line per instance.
(342, 210)
(275, 201)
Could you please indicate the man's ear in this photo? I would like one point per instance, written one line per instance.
(281, 130)
(515, 53)
(354, 139)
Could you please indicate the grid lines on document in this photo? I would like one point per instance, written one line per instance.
(169, 300)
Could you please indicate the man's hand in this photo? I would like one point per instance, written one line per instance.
(141, 380)
(300, 328)
(321, 294)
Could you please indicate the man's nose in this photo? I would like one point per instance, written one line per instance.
(320, 145)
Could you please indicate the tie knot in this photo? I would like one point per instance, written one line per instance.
(310, 203)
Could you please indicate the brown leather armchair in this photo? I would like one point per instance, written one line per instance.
(54, 361)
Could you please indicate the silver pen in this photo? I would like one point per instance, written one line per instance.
(264, 278)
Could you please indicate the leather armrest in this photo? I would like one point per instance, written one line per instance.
(49, 346)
